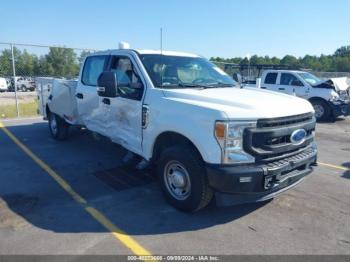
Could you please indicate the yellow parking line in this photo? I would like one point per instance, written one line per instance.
(334, 166)
(119, 234)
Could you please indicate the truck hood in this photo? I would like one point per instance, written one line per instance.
(341, 83)
(337, 84)
(245, 103)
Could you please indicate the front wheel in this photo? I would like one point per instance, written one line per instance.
(183, 178)
(322, 110)
(58, 127)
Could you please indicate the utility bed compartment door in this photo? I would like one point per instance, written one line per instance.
(43, 90)
(62, 100)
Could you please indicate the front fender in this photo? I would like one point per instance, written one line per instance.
(194, 122)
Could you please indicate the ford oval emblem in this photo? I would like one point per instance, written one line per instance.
(298, 136)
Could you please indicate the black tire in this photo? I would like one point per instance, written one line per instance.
(59, 128)
(322, 110)
(200, 194)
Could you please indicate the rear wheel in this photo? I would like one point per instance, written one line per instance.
(322, 110)
(59, 128)
(183, 178)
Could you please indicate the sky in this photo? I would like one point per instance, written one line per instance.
(225, 28)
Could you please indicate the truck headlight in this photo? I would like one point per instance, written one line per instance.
(339, 97)
(334, 98)
(230, 138)
(343, 95)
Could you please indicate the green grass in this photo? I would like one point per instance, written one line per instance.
(25, 109)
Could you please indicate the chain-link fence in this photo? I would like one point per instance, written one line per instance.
(250, 73)
(20, 67)
(326, 75)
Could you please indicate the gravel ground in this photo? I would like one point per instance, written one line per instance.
(8, 98)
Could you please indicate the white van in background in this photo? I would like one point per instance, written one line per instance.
(3, 85)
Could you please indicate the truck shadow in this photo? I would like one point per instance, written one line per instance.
(67, 218)
(131, 199)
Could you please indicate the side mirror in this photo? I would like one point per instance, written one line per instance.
(297, 83)
(238, 77)
(107, 84)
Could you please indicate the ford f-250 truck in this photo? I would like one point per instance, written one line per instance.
(204, 134)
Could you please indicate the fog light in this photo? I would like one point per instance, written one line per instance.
(245, 179)
(268, 182)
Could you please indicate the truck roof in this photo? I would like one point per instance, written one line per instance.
(170, 53)
(149, 52)
(284, 70)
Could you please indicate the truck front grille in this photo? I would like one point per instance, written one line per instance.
(284, 121)
(270, 140)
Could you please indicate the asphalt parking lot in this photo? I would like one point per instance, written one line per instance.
(38, 214)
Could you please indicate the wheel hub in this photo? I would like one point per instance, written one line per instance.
(319, 111)
(53, 124)
(177, 180)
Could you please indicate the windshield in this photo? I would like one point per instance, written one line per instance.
(310, 78)
(184, 72)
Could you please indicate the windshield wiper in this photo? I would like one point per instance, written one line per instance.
(180, 85)
(216, 85)
(184, 85)
(199, 86)
(189, 85)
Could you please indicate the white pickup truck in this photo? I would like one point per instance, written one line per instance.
(330, 98)
(204, 134)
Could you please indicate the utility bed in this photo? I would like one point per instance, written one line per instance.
(60, 96)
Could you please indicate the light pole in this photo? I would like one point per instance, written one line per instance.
(14, 79)
(248, 56)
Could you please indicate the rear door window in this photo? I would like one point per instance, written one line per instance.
(271, 78)
(93, 67)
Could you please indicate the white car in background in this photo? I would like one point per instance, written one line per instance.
(25, 84)
(22, 84)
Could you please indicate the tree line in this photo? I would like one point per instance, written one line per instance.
(65, 62)
(337, 62)
(58, 62)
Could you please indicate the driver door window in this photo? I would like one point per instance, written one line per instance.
(290, 80)
(129, 83)
(290, 84)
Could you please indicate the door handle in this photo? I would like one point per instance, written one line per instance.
(263, 87)
(281, 88)
(106, 101)
(79, 95)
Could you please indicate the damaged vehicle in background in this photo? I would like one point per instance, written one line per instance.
(330, 98)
